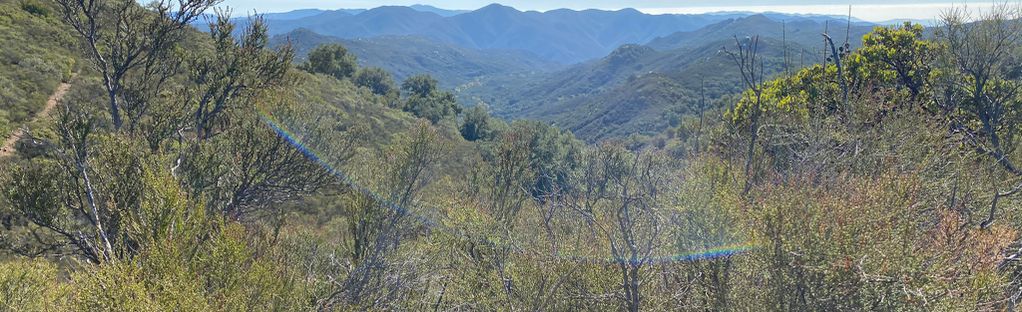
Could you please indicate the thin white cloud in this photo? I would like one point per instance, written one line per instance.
(868, 12)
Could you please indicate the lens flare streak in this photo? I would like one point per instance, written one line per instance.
(297, 142)
(717, 252)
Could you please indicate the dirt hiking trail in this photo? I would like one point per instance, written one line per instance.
(51, 103)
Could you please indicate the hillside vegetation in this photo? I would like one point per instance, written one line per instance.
(217, 173)
(406, 56)
(644, 89)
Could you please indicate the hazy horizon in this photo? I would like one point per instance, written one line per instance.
(864, 10)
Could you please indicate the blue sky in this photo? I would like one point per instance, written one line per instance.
(872, 10)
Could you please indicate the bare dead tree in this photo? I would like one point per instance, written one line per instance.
(511, 176)
(784, 48)
(123, 37)
(239, 66)
(836, 55)
(409, 171)
(979, 51)
(75, 134)
(65, 199)
(619, 196)
(746, 57)
(702, 113)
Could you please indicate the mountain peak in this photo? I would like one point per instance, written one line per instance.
(398, 13)
(423, 7)
(392, 8)
(759, 17)
(630, 11)
(438, 11)
(304, 33)
(497, 7)
(628, 53)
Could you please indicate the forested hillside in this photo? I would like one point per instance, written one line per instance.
(644, 89)
(804, 32)
(406, 56)
(214, 171)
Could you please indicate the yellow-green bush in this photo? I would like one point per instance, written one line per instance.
(31, 285)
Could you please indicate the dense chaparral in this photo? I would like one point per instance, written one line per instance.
(219, 168)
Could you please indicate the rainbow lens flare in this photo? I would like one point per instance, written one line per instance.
(724, 250)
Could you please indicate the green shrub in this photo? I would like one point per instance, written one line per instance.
(30, 285)
(34, 7)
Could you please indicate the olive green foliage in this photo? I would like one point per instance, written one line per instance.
(35, 7)
(554, 155)
(900, 52)
(890, 187)
(377, 80)
(979, 89)
(231, 78)
(31, 285)
(823, 173)
(426, 100)
(476, 123)
(343, 102)
(332, 60)
(421, 85)
(140, 211)
(222, 273)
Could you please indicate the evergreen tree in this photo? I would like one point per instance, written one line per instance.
(426, 100)
(375, 79)
(333, 60)
(476, 124)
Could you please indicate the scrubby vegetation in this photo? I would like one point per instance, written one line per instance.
(220, 177)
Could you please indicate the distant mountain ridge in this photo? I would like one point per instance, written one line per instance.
(799, 16)
(806, 32)
(563, 36)
(438, 11)
(638, 89)
(303, 13)
(510, 59)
